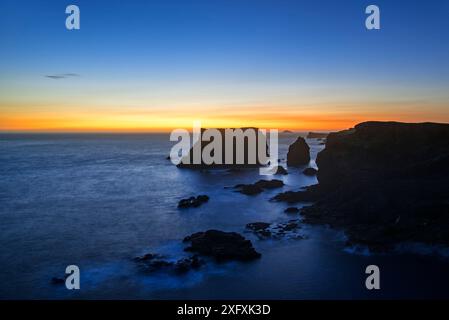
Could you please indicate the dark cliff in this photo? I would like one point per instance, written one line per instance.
(385, 182)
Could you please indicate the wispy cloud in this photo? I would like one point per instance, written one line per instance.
(61, 76)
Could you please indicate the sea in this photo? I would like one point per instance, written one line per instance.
(99, 200)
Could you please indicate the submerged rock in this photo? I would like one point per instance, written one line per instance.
(266, 230)
(250, 189)
(257, 226)
(310, 171)
(260, 228)
(193, 202)
(291, 210)
(146, 257)
(187, 264)
(298, 153)
(259, 186)
(154, 263)
(222, 246)
(293, 196)
(269, 184)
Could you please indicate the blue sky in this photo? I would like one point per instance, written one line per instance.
(155, 55)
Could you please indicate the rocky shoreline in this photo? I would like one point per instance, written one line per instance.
(382, 183)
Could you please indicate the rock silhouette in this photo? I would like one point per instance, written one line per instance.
(222, 246)
(383, 182)
(298, 153)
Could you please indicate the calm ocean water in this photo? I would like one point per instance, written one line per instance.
(97, 201)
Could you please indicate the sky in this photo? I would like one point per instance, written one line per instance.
(160, 65)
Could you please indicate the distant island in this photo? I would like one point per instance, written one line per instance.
(317, 135)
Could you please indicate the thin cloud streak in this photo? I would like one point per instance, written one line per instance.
(61, 76)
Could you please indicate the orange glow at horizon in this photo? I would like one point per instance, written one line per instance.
(329, 118)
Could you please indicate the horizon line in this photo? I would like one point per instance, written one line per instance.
(168, 130)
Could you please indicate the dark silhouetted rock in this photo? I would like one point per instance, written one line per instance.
(269, 184)
(310, 171)
(385, 182)
(187, 264)
(221, 245)
(260, 229)
(250, 160)
(193, 202)
(156, 263)
(250, 189)
(257, 226)
(280, 170)
(146, 257)
(291, 210)
(292, 225)
(264, 230)
(296, 196)
(259, 186)
(298, 153)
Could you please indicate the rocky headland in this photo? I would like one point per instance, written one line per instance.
(383, 183)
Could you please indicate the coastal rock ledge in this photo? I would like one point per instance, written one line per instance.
(384, 183)
(222, 246)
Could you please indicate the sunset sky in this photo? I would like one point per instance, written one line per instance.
(159, 65)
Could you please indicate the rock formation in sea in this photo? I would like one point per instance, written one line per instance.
(291, 210)
(310, 171)
(264, 230)
(149, 263)
(384, 183)
(279, 170)
(250, 151)
(193, 202)
(298, 153)
(222, 246)
(259, 186)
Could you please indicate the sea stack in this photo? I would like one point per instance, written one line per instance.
(298, 153)
(241, 142)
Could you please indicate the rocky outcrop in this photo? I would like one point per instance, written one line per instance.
(259, 186)
(222, 246)
(280, 170)
(264, 230)
(317, 135)
(193, 202)
(154, 262)
(384, 182)
(291, 210)
(310, 194)
(298, 153)
(249, 150)
(310, 172)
